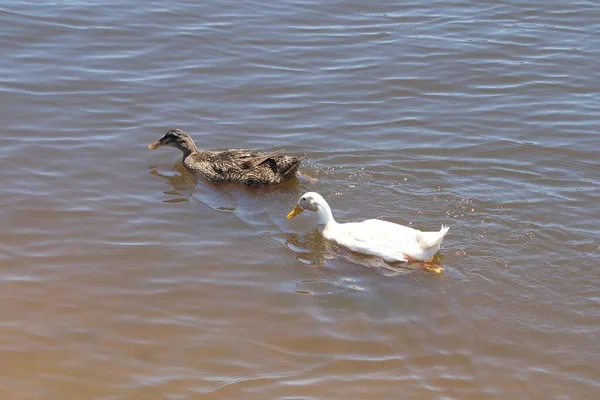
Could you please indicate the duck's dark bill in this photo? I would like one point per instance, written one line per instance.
(154, 145)
(297, 210)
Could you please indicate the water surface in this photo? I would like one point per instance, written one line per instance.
(124, 277)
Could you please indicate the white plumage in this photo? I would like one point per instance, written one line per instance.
(392, 242)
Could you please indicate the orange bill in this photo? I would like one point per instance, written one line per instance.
(297, 210)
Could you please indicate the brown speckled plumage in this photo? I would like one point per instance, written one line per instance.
(240, 166)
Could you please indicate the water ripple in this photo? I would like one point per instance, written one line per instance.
(123, 273)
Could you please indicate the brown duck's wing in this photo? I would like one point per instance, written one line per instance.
(257, 159)
(239, 158)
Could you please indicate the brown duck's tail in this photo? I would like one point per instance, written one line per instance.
(289, 165)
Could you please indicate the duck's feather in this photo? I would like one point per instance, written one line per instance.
(255, 161)
(243, 166)
(385, 239)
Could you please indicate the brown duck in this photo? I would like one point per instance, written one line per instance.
(240, 166)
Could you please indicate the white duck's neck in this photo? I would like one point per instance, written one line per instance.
(324, 214)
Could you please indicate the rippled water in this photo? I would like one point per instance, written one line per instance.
(122, 277)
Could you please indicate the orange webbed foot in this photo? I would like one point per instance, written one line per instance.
(429, 265)
(433, 267)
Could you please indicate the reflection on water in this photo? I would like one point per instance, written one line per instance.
(312, 249)
(183, 183)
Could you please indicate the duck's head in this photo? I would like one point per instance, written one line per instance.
(309, 201)
(175, 138)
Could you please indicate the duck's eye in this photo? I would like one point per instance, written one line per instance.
(303, 199)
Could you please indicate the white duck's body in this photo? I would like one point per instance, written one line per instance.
(392, 242)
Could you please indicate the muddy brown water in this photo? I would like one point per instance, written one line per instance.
(124, 277)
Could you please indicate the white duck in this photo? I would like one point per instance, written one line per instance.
(384, 239)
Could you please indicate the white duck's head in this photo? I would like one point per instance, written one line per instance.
(314, 202)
